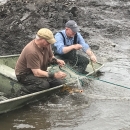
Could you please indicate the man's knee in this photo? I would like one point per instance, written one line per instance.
(87, 61)
(56, 82)
(83, 60)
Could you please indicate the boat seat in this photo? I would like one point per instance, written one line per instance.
(2, 98)
(7, 71)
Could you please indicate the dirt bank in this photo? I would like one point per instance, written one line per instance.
(100, 22)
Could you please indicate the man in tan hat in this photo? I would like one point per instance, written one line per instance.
(32, 64)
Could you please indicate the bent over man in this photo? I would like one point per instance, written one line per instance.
(70, 40)
(31, 66)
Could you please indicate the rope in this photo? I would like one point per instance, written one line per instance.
(90, 77)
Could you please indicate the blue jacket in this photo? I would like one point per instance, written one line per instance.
(69, 41)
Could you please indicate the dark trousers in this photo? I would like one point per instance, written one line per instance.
(76, 60)
(33, 84)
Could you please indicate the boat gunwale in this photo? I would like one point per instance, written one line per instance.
(36, 93)
(10, 55)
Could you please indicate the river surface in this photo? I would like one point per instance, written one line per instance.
(105, 102)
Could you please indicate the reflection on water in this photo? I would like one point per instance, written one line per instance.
(56, 111)
(100, 107)
(2, 2)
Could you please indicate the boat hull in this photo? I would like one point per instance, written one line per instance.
(9, 85)
(18, 102)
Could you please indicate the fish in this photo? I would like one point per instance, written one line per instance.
(71, 89)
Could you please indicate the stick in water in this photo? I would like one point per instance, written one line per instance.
(93, 67)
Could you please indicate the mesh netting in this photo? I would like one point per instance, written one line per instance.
(72, 75)
(76, 60)
(76, 63)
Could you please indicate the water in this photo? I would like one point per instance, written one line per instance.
(2, 2)
(68, 115)
(102, 106)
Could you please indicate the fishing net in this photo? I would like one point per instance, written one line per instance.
(72, 74)
(76, 63)
(76, 60)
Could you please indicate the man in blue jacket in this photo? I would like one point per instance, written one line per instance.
(70, 40)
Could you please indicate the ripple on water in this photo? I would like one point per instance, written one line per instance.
(2, 2)
(65, 103)
(22, 126)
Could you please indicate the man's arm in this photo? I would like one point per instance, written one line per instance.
(41, 73)
(86, 48)
(59, 43)
(81, 41)
(61, 48)
(67, 49)
(57, 61)
(91, 55)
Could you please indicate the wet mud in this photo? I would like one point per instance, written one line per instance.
(100, 22)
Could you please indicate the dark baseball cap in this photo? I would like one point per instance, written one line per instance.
(72, 25)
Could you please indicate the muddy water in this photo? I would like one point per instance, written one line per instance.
(105, 104)
(104, 110)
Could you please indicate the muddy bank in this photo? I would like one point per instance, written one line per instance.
(20, 20)
(100, 22)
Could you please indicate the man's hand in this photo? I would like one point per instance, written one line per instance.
(67, 49)
(91, 55)
(93, 58)
(77, 46)
(60, 62)
(60, 75)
